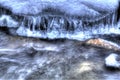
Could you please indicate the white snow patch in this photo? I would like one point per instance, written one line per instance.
(111, 61)
(6, 20)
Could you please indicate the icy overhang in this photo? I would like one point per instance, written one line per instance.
(73, 19)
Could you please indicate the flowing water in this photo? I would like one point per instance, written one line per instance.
(48, 47)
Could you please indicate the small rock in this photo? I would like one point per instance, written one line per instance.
(103, 43)
(113, 61)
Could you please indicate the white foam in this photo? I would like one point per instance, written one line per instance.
(6, 49)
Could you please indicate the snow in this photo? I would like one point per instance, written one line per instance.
(111, 61)
(73, 7)
(6, 20)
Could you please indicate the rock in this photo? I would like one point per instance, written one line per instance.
(103, 43)
(112, 61)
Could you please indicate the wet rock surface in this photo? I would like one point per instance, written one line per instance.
(36, 59)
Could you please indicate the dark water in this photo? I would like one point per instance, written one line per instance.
(62, 59)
